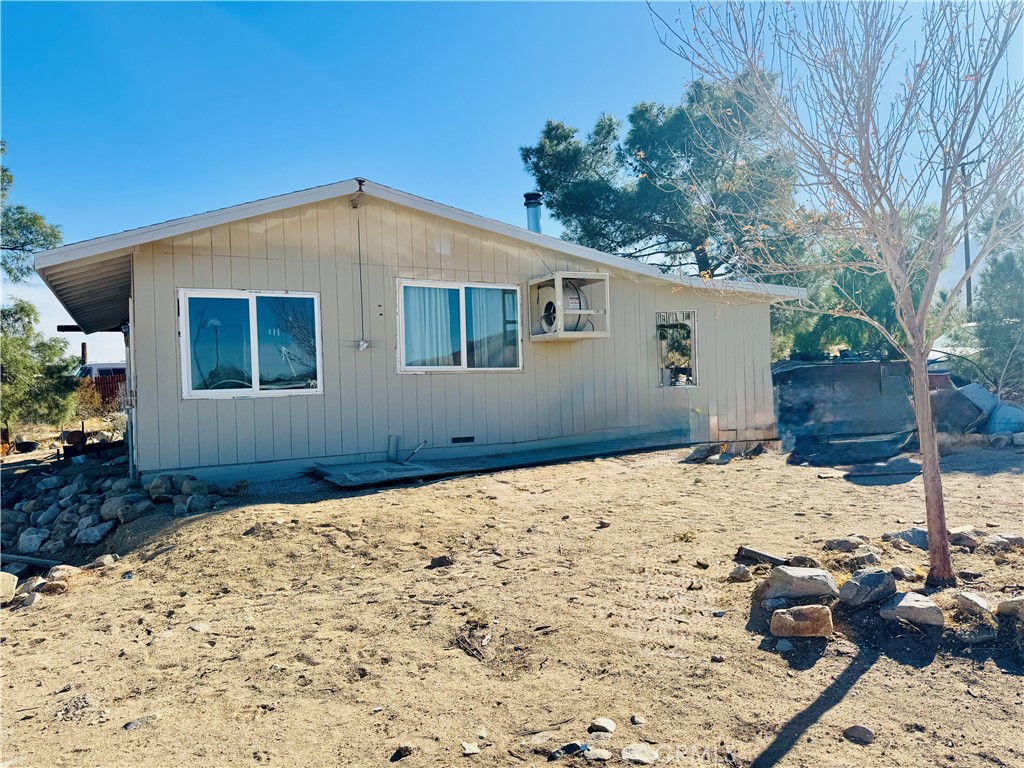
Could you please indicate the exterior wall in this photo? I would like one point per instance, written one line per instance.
(587, 390)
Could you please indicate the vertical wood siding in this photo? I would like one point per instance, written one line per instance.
(587, 389)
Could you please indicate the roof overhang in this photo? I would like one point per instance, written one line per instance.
(92, 278)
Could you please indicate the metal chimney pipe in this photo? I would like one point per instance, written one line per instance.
(532, 201)
(85, 353)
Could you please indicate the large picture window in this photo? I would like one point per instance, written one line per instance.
(246, 343)
(676, 349)
(455, 327)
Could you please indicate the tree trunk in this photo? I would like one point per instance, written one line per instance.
(940, 567)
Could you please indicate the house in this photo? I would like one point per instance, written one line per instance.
(353, 322)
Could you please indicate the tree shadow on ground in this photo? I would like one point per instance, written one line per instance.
(865, 637)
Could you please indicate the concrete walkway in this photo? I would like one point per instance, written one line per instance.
(351, 477)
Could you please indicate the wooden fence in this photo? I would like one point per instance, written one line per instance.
(109, 387)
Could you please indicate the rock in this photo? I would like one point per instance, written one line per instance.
(790, 582)
(916, 537)
(93, 534)
(138, 722)
(442, 561)
(161, 488)
(178, 481)
(403, 751)
(868, 585)
(112, 507)
(1000, 440)
(572, 748)
(944, 442)
(31, 540)
(704, 452)
(602, 725)
(741, 573)
(62, 572)
(784, 646)
(1017, 439)
(469, 749)
(912, 607)
(31, 599)
(640, 754)
(199, 503)
(717, 658)
(638, 719)
(803, 561)
(121, 486)
(237, 488)
(972, 604)
(15, 569)
(702, 564)
(135, 511)
(1013, 607)
(982, 633)
(773, 604)
(47, 516)
(50, 483)
(802, 621)
(1015, 540)
(191, 486)
(845, 544)
(598, 755)
(8, 584)
(30, 585)
(900, 545)
(87, 521)
(74, 489)
(865, 555)
(860, 734)
(995, 541)
(199, 627)
(103, 561)
(53, 587)
(904, 573)
(964, 536)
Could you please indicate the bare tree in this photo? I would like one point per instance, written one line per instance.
(883, 137)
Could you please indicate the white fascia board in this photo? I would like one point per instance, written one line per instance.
(133, 237)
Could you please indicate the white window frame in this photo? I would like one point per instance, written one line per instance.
(695, 348)
(464, 368)
(184, 337)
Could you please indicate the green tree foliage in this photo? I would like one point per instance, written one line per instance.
(22, 232)
(37, 384)
(995, 338)
(677, 190)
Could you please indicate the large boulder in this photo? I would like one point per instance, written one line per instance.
(8, 583)
(802, 621)
(135, 511)
(95, 533)
(199, 503)
(1014, 607)
(70, 491)
(32, 539)
(916, 537)
(191, 486)
(972, 604)
(161, 488)
(114, 506)
(791, 582)
(868, 585)
(912, 607)
(50, 483)
(965, 536)
(46, 516)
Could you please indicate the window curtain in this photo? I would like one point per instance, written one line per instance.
(492, 328)
(433, 328)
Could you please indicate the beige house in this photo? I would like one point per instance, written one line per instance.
(354, 323)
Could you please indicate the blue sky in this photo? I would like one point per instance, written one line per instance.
(119, 115)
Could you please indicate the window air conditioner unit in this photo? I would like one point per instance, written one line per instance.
(566, 306)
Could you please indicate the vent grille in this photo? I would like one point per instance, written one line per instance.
(464, 439)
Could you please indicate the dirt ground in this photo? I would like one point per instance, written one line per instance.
(303, 628)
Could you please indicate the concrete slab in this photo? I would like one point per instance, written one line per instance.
(351, 477)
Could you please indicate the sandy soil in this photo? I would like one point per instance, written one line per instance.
(303, 629)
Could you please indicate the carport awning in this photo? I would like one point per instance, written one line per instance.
(94, 290)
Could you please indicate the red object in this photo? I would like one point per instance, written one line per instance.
(939, 381)
(109, 387)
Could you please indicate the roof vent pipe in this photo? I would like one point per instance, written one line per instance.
(532, 201)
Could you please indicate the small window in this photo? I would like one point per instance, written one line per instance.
(677, 349)
(238, 343)
(454, 327)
